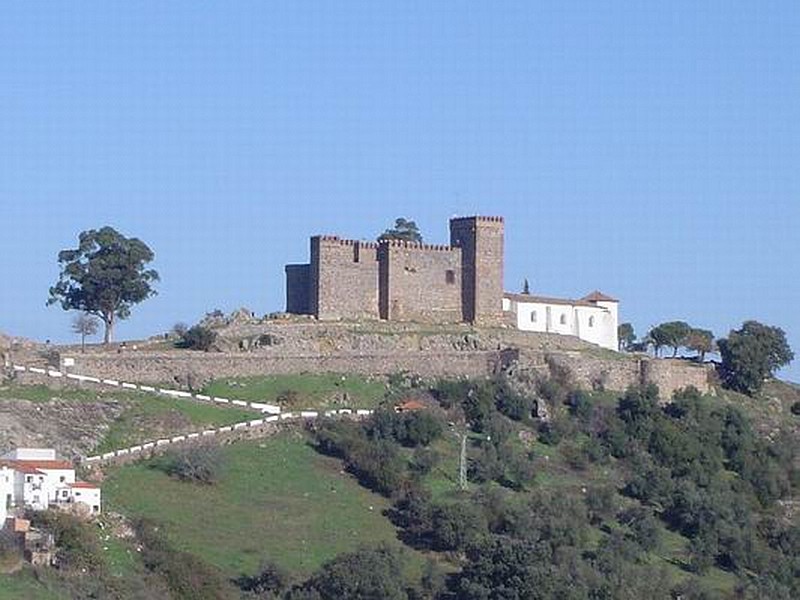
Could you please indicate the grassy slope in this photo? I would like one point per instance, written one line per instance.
(132, 426)
(279, 500)
(24, 586)
(554, 473)
(310, 391)
(143, 414)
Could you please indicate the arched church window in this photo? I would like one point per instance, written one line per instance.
(591, 321)
(563, 319)
(533, 316)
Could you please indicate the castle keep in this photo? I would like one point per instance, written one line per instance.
(404, 281)
(463, 282)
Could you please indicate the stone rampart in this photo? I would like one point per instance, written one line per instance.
(420, 283)
(177, 368)
(620, 372)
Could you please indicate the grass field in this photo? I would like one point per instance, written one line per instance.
(302, 391)
(278, 500)
(24, 586)
(148, 416)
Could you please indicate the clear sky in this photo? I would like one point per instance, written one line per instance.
(648, 149)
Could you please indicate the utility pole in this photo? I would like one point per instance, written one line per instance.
(462, 467)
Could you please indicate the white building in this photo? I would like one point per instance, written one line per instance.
(35, 478)
(593, 318)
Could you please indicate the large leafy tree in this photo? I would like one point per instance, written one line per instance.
(752, 354)
(105, 276)
(672, 334)
(403, 230)
(627, 336)
(701, 341)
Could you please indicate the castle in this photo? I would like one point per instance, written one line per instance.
(404, 281)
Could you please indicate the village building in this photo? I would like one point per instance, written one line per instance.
(457, 283)
(35, 478)
(593, 318)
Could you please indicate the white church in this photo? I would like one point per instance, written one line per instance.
(593, 318)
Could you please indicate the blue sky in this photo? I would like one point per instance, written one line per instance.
(651, 150)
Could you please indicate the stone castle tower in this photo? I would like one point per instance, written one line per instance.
(481, 243)
(403, 281)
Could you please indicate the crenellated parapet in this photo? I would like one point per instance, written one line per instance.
(337, 241)
(416, 245)
(401, 280)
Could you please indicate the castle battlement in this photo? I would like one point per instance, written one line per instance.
(335, 239)
(416, 245)
(483, 219)
(399, 280)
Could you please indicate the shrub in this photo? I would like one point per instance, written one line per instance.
(456, 525)
(78, 546)
(200, 463)
(796, 408)
(423, 461)
(187, 576)
(367, 573)
(411, 429)
(270, 582)
(601, 503)
(199, 338)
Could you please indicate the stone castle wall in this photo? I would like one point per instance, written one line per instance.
(298, 289)
(451, 352)
(481, 242)
(395, 280)
(343, 278)
(419, 282)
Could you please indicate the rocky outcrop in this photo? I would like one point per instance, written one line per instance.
(72, 427)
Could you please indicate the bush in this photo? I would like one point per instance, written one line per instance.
(423, 461)
(198, 338)
(187, 576)
(199, 463)
(270, 582)
(796, 408)
(367, 573)
(456, 525)
(78, 546)
(601, 503)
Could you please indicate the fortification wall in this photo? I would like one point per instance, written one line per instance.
(383, 348)
(298, 289)
(481, 240)
(419, 282)
(619, 373)
(179, 368)
(671, 375)
(344, 278)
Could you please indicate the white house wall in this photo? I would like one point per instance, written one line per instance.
(6, 490)
(596, 325)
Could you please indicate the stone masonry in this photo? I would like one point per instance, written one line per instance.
(403, 281)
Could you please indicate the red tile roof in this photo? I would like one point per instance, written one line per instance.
(21, 467)
(33, 466)
(546, 300)
(597, 296)
(84, 485)
(410, 405)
